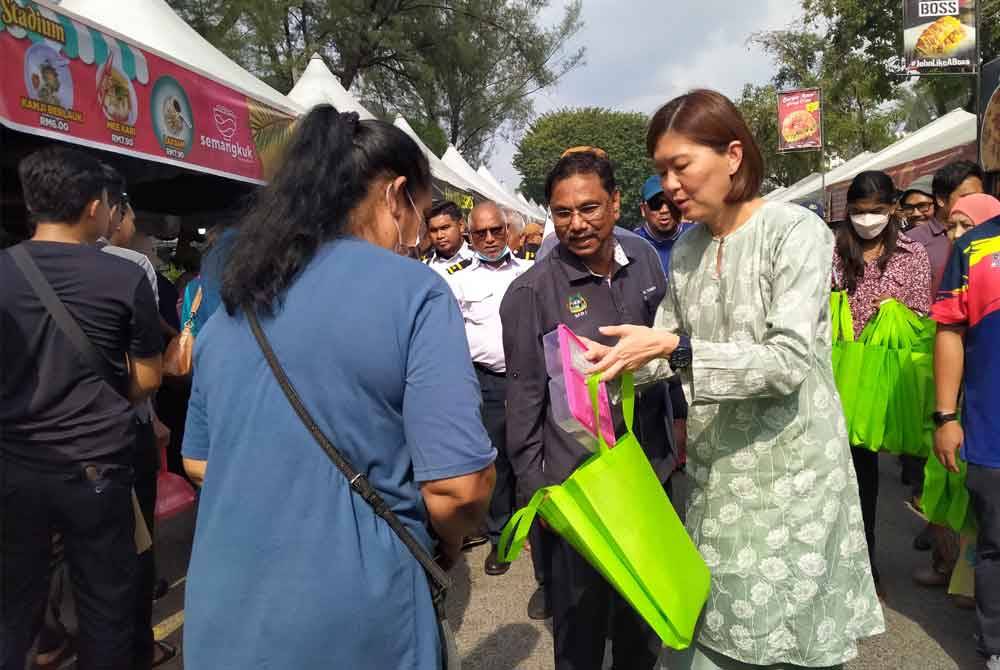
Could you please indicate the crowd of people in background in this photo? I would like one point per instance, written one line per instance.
(430, 382)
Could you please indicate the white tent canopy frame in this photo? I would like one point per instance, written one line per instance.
(453, 159)
(511, 200)
(438, 168)
(954, 129)
(318, 86)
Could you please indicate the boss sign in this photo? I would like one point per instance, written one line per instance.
(929, 8)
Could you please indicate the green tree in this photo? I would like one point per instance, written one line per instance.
(858, 114)
(621, 134)
(467, 65)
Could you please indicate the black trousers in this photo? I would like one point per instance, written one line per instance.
(493, 387)
(984, 495)
(91, 505)
(587, 611)
(866, 468)
(146, 466)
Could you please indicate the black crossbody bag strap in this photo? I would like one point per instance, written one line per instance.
(439, 581)
(64, 320)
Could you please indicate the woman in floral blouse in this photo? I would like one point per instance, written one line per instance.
(873, 261)
(774, 507)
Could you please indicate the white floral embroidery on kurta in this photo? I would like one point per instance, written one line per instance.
(774, 510)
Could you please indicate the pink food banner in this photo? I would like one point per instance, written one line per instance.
(68, 80)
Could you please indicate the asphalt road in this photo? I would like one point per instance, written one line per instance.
(925, 631)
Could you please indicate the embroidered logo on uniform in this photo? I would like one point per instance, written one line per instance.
(995, 261)
(577, 304)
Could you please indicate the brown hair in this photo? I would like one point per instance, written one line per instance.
(711, 119)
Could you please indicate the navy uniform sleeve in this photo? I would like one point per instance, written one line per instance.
(145, 339)
(527, 387)
(441, 399)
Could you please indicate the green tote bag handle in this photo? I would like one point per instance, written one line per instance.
(628, 405)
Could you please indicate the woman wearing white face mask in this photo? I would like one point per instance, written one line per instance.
(873, 261)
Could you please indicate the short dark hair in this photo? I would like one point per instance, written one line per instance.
(114, 184)
(582, 163)
(446, 207)
(951, 176)
(711, 119)
(59, 182)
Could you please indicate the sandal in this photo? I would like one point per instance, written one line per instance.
(167, 653)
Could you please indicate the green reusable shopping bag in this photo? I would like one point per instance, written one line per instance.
(614, 512)
(945, 498)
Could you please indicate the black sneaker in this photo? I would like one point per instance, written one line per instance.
(538, 605)
(493, 565)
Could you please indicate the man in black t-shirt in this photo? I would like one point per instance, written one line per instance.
(67, 431)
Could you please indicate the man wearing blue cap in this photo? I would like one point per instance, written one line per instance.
(663, 226)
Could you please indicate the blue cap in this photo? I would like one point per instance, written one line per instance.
(651, 187)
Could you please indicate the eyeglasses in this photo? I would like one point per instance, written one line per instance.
(656, 203)
(922, 207)
(496, 231)
(588, 213)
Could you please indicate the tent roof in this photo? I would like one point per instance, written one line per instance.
(454, 160)
(438, 168)
(153, 25)
(318, 86)
(510, 199)
(954, 129)
(810, 187)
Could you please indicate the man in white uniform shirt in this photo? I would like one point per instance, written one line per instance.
(444, 228)
(479, 287)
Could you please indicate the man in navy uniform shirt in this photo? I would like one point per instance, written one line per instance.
(590, 279)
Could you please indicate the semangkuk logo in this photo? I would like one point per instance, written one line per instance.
(226, 126)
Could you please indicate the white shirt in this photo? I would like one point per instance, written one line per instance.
(479, 290)
(441, 265)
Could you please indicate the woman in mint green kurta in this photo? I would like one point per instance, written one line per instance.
(774, 507)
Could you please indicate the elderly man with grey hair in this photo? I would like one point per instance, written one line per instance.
(479, 289)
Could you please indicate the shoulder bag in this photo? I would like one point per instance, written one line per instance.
(436, 577)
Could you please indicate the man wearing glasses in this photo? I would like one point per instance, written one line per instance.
(591, 278)
(663, 225)
(479, 286)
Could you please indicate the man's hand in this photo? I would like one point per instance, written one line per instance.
(637, 345)
(947, 441)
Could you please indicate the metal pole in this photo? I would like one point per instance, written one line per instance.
(978, 83)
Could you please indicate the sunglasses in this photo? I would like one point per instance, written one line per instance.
(496, 231)
(656, 203)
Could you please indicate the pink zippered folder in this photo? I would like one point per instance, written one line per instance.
(567, 366)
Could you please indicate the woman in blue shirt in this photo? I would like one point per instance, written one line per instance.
(291, 569)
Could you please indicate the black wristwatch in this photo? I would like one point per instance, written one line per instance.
(681, 356)
(941, 418)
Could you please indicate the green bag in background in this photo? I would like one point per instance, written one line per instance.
(945, 498)
(614, 512)
(885, 379)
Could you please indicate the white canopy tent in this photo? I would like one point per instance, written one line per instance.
(453, 159)
(438, 168)
(156, 27)
(512, 200)
(811, 188)
(318, 86)
(954, 129)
